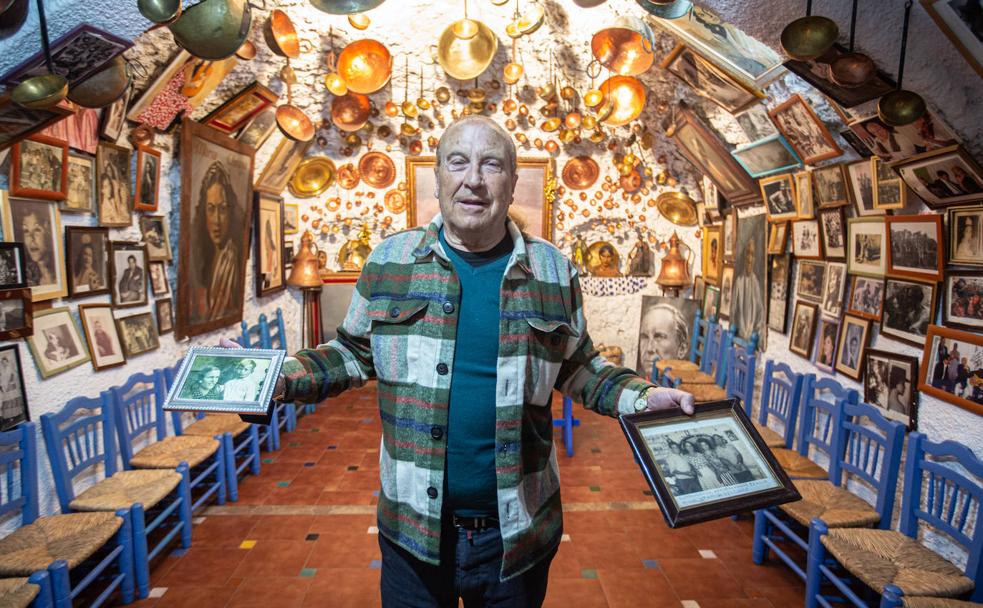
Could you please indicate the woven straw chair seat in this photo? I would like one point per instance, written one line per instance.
(772, 438)
(881, 557)
(217, 424)
(17, 592)
(837, 507)
(147, 487)
(677, 365)
(171, 451)
(797, 465)
(936, 602)
(691, 376)
(72, 537)
(704, 393)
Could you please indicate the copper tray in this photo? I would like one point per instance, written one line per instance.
(580, 173)
(313, 176)
(377, 169)
(395, 201)
(348, 176)
(677, 207)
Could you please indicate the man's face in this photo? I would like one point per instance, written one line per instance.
(216, 213)
(658, 337)
(475, 179)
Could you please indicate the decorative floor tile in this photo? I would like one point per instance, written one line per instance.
(283, 484)
(247, 544)
(650, 563)
(707, 554)
(375, 564)
(353, 467)
(179, 552)
(309, 464)
(157, 592)
(313, 536)
(588, 573)
(197, 520)
(690, 604)
(565, 538)
(268, 461)
(308, 572)
(595, 488)
(373, 530)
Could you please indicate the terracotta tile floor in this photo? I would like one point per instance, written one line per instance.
(302, 533)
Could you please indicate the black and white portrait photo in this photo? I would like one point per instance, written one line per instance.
(16, 320)
(889, 190)
(88, 260)
(240, 379)
(916, 246)
(665, 330)
(81, 195)
(826, 333)
(812, 279)
(779, 195)
(747, 309)
(38, 168)
(805, 239)
(155, 237)
(148, 178)
(966, 235)
(13, 397)
(138, 333)
(944, 177)
(100, 331)
(851, 346)
(129, 264)
(833, 232)
(835, 285)
(113, 184)
(954, 367)
(165, 316)
(804, 130)
(779, 279)
(158, 279)
(11, 265)
(889, 383)
(866, 246)
(862, 185)
(866, 297)
(708, 80)
(829, 185)
(803, 329)
(37, 224)
(57, 345)
(909, 308)
(726, 291)
(756, 123)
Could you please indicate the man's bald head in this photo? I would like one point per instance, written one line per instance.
(491, 124)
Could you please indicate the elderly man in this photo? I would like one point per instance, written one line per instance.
(470, 502)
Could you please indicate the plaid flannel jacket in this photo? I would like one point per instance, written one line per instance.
(401, 329)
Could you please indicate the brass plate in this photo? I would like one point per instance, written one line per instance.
(348, 176)
(395, 201)
(677, 207)
(580, 173)
(377, 170)
(313, 176)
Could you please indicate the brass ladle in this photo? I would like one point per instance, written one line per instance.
(408, 107)
(46, 90)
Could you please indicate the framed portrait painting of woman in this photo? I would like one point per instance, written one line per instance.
(37, 224)
(216, 215)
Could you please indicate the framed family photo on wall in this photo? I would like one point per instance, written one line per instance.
(943, 177)
(867, 246)
(889, 383)
(940, 375)
(963, 297)
(831, 186)
(128, 265)
(39, 168)
(81, 194)
(804, 131)
(866, 297)
(778, 193)
(138, 334)
(826, 334)
(915, 246)
(909, 308)
(803, 329)
(966, 235)
(833, 229)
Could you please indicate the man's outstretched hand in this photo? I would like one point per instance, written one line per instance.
(669, 398)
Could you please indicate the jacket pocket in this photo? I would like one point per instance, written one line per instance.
(548, 342)
(396, 338)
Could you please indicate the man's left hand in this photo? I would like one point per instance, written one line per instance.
(661, 398)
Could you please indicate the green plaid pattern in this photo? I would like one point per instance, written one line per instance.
(398, 332)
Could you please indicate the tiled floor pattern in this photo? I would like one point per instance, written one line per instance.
(303, 532)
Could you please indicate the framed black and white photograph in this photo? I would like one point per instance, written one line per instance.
(729, 235)
(909, 308)
(81, 195)
(713, 256)
(39, 168)
(259, 128)
(767, 157)
(100, 331)
(966, 235)
(156, 237)
(12, 265)
(963, 297)
(16, 313)
(88, 260)
(37, 224)
(664, 330)
(778, 193)
(13, 396)
(711, 302)
(830, 186)
(57, 345)
(862, 188)
(756, 123)
(959, 21)
(833, 289)
(806, 243)
(291, 218)
(867, 246)
(812, 278)
(866, 297)
(892, 144)
(17, 122)
(113, 184)
(269, 271)
(827, 334)
(128, 262)
(706, 466)
(158, 279)
(238, 381)
(114, 117)
(803, 329)
(889, 190)
(947, 176)
(711, 157)
(148, 179)
(832, 227)
(940, 375)
(165, 316)
(138, 333)
(779, 286)
(804, 131)
(803, 195)
(709, 81)
(854, 335)
(889, 383)
(777, 237)
(856, 143)
(915, 246)
(699, 287)
(817, 73)
(726, 292)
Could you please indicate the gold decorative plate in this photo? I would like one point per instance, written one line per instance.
(580, 173)
(377, 170)
(677, 207)
(395, 201)
(313, 176)
(348, 176)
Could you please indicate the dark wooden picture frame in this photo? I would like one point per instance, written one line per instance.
(12, 265)
(147, 154)
(100, 263)
(927, 375)
(873, 378)
(970, 282)
(827, 183)
(734, 426)
(113, 163)
(162, 266)
(131, 349)
(965, 250)
(158, 306)
(61, 173)
(265, 284)
(96, 342)
(19, 297)
(797, 327)
(831, 252)
(18, 375)
(779, 289)
(843, 367)
(851, 298)
(893, 269)
(230, 117)
(119, 274)
(810, 114)
(901, 319)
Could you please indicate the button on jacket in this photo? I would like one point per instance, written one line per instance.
(400, 330)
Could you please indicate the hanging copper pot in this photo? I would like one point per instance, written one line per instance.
(366, 65)
(359, 21)
(674, 9)
(294, 123)
(246, 52)
(443, 94)
(851, 70)
(213, 29)
(465, 59)
(281, 35)
(351, 111)
(335, 84)
(345, 7)
(512, 72)
(626, 47)
(809, 37)
(102, 88)
(160, 11)
(625, 100)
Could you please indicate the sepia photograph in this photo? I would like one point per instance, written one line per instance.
(943, 177)
(113, 184)
(862, 187)
(711, 302)
(806, 243)
(866, 246)
(779, 285)
(81, 195)
(100, 332)
(767, 157)
(713, 255)
(39, 168)
(729, 235)
(889, 383)
(712, 158)
(16, 313)
(259, 129)
(138, 333)
(833, 289)
(915, 246)
(952, 367)
(726, 292)
(708, 81)
(803, 195)
(664, 330)
(165, 316)
(37, 224)
(833, 231)
(756, 123)
(269, 270)
(854, 335)
(228, 380)
(114, 117)
(777, 237)
(291, 218)
(158, 279)
(12, 265)
(88, 260)
(892, 144)
(803, 329)
(56, 344)
(156, 237)
(13, 396)
(778, 193)
(826, 338)
(963, 296)
(812, 278)
(148, 179)
(909, 307)
(128, 263)
(830, 186)
(966, 235)
(866, 297)
(889, 191)
(804, 131)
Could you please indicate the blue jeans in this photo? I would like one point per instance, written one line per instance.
(469, 569)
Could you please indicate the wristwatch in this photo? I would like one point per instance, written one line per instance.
(643, 399)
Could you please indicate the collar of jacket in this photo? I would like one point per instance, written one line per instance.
(430, 245)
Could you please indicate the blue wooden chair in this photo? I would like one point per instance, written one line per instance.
(87, 556)
(707, 383)
(31, 592)
(275, 336)
(816, 429)
(943, 492)
(251, 336)
(868, 450)
(781, 390)
(740, 376)
(240, 441)
(140, 417)
(79, 439)
(697, 345)
(272, 336)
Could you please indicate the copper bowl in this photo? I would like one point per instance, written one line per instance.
(213, 29)
(294, 123)
(852, 70)
(102, 88)
(39, 92)
(348, 176)
(281, 35)
(345, 7)
(247, 51)
(626, 48)
(580, 172)
(632, 182)
(465, 59)
(624, 100)
(365, 65)
(395, 201)
(350, 112)
(377, 170)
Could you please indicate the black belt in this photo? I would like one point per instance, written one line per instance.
(474, 523)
